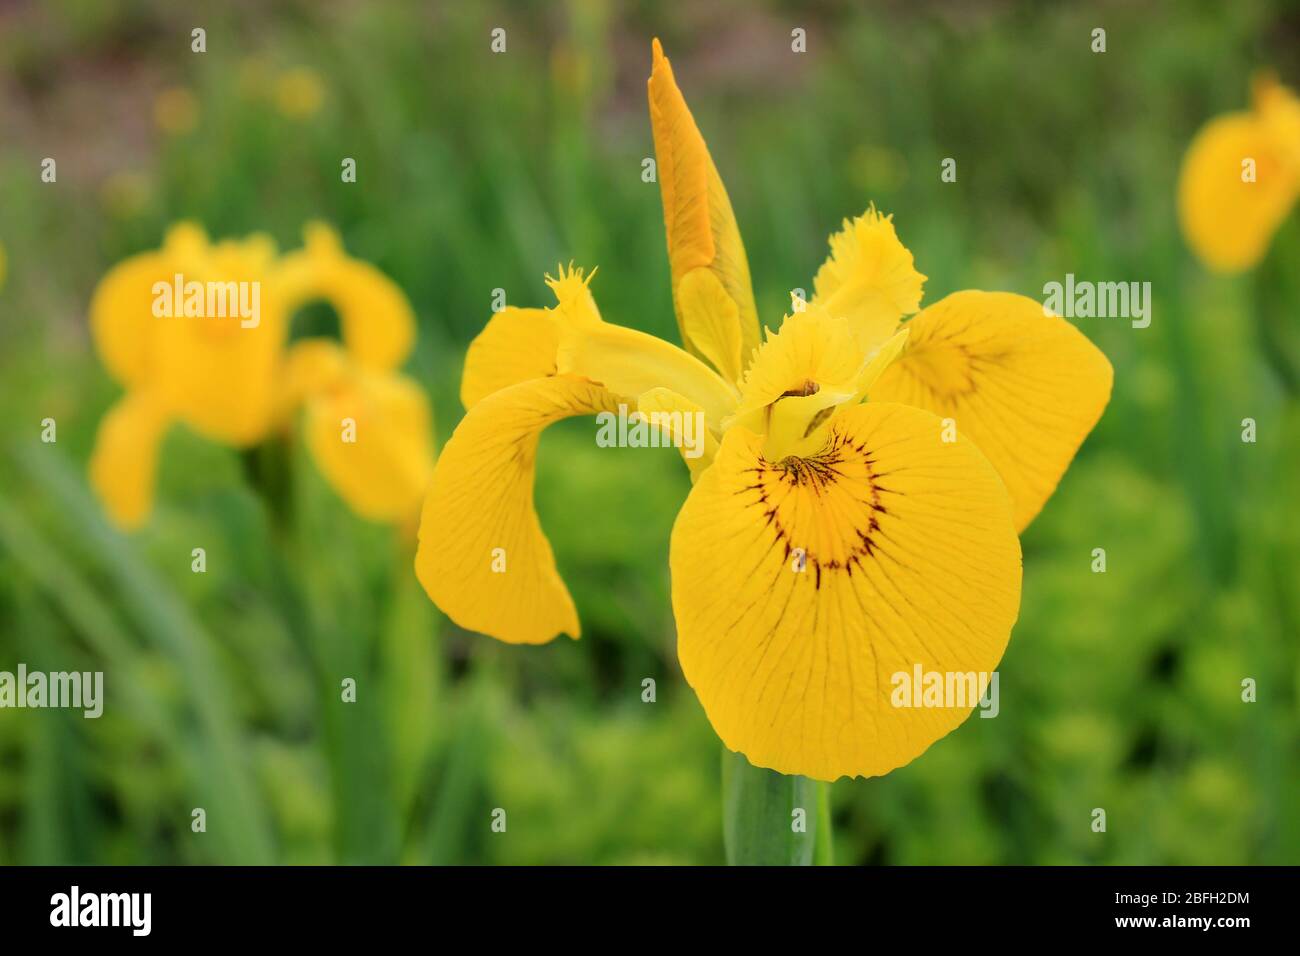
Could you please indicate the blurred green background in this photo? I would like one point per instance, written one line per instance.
(476, 171)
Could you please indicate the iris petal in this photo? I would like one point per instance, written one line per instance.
(801, 586)
(702, 233)
(370, 433)
(1229, 221)
(378, 325)
(483, 557)
(121, 315)
(869, 278)
(1026, 387)
(515, 346)
(124, 462)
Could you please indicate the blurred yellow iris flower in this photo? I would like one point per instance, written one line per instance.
(229, 378)
(1241, 177)
(355, 389)
(828, 542)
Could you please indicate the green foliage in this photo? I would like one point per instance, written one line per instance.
(1119, 690)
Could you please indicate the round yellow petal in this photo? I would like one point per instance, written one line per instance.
(802, 586)
(1026, 387)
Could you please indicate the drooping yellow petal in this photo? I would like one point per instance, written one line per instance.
(702, 232)
(869, 277)
(1235, 189)
(802, 586)
(377, 323)
(370, 433)
(516, 345)
(124, 462)
(1026, 387)
(483, 557)
(683, 422)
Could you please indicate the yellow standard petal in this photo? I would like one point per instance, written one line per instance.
(378, 324)
(483, 557)
(124, 462)
(802, 586)
(219, 374)
(802, 374)
(1026, 387)
(712, 292)
(869, 278)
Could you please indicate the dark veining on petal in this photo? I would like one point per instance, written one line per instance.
(818, 475)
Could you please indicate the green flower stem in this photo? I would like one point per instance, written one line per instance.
(770, 819)
(824, 854)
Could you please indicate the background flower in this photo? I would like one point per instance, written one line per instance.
(1241, 178)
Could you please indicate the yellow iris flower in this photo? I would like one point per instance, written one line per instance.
(1240, 179)
(227, 376)
(828, 542)
(355, 391)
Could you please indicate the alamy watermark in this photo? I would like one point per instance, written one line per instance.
(133, 911)
(684, 430)
(921, 688)
(1102, 300)
(208, 300)
(75, 689)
